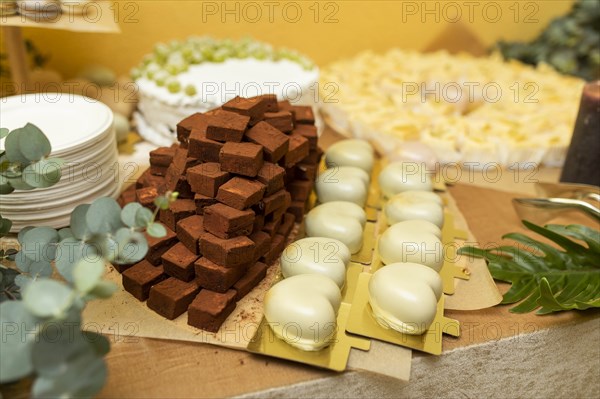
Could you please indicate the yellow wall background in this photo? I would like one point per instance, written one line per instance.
(352, 26)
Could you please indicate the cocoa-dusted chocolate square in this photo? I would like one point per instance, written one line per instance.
(206, 178)
(284, 105)
(149, 180)
(275, 201)
(276, 248)
(313, 157)
(259, 223)
(226, 126)
(253, 107)
(262, 242)
(158, 246)
(180, 209)
(255, 274)
(297, 208)
(287, 224)
(271, 175)
(189, 231)
(228, 253)
(274, 142)
(300, 189)
(177, 169)
(305, 171)
(210, 309)
(128, 196)
(241, 193)
(227, 222)
(202, 201)
(204, 148)
(241, 158)
(146, 196)
(185, 127)
(298, 150)
(271, 226)
(158, 170)
(162, 156)
(138, 279)
(310, 133)
(270, 101)
(179, 261)
(281, 120)
(217, 278)
(303, 114)
(171, 298)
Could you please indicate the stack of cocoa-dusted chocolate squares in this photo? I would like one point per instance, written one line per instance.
(244, 173)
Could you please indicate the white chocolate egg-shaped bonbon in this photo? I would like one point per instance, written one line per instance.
(414, 205)
(352, 152)
(341, 220)
(400, 244)
(398, 177)
(344, 183)
(302, 310)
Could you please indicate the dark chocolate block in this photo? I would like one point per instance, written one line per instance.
(206, 178)
(272, 226)
(253, 276)
(158, 170)
(202, 201)
(241, 158)
(179, 261)
(298, 150)
(226, 126)
(310, 133)
(176, 169)
(210, 309)
(262, 242)
(149, 180)
(240, 193)
(274, 142)
(180, 209)
(305, 171)
(259, 223)
(162, 156)
(128, 196)
(189, 231)
(302, 114)
(281, 120)
(138, 279)
(300, 189)
(271, 175)
(270, 101)
(146, 196)
(228, 253)
(287, 224)
(275, 201)
(297, 208)
(172, 297)
(217, 278)
(158, 246)
(276, 248)
(253, 107)
(313, 157)
(203, 148)
(227, 222)
(185, 127)
(284, 105)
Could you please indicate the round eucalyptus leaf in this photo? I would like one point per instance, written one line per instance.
(5, 187)
(23, 262)
(128, 213)
(161, 202)
(87, 273)
(143, 217)
(104, 289)
(58, 345)
(4, 132)
(103, 216)
(65, 233)
(47, 298)
(5, 226)
(22, 281)
(69, 252)
(40, 269)
(17, 338)
(99, 342)
(23, 231)
(156, 230)
(33, 143)
(19, 184)
(132, 246)
(12, 148)
(84, 377)
(78, 221)
(44, 173)
(105, 246)
(39, 244)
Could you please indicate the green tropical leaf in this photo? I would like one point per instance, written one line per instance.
(545, 277)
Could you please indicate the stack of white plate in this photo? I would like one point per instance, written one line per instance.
(81, 132)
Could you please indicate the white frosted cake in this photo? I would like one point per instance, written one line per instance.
(202, 73)
(466, 109)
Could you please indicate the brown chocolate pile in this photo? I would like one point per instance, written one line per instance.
(244, 173)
